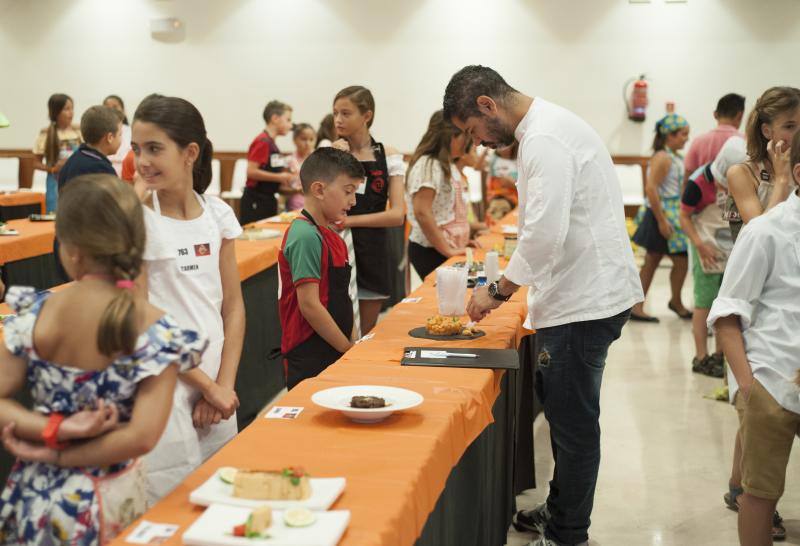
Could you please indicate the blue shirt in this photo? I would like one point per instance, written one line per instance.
(85, 160)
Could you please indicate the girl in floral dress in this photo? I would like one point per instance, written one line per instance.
(98, 359)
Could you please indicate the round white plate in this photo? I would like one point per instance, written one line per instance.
(338, 398)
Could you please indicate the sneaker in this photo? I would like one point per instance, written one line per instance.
(542, 541)
(699, 364)
(715, 366)
(531, 521)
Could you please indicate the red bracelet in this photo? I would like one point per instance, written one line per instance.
(50, 432)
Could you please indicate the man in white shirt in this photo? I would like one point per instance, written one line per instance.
(756, 314)
(575, 256)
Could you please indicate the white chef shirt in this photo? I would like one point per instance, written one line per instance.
(762, 287)
(573, 250)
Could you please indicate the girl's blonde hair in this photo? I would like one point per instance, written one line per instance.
(102, 216)
(774, 102)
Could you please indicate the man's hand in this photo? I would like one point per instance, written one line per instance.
(481, 304)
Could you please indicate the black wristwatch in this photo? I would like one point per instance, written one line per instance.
(493, 291)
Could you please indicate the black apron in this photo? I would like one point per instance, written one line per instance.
(371, 245)
(315, 354)
(260, 202)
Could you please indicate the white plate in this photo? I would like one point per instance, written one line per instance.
(215, 526)
(338, 398)
(259, 234)
(8, 232)
(324, 492)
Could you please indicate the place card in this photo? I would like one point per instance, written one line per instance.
(365, 338)
(284, 412)
(148, 532)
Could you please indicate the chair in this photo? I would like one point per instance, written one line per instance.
(9, 173)
(214, 187)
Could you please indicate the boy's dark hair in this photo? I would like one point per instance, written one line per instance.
(469, 83)
(98, 121)
(730, 106)
(275, 108)
(184, 124)
(326, 164)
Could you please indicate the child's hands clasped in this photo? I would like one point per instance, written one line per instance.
(221, 398)
(27, 451)
(89, 423)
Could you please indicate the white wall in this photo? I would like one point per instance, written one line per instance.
(238, 54)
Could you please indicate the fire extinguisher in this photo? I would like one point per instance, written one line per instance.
(635, 94)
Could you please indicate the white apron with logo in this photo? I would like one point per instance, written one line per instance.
(183, 278)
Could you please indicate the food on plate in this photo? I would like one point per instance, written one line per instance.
(289, 484)
(444, 326)
(469, 332)
(227, 474)
(367, 402)
(257, 523)
(299, 517)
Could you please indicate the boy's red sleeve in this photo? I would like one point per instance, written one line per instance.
(259, 152)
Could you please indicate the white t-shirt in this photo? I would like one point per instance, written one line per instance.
(573, 250)
(427, 173)
(183, 269)
(761, 286)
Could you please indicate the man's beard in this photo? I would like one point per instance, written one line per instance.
(500, 136)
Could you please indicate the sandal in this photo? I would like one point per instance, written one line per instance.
(778, 529)
(687, 315)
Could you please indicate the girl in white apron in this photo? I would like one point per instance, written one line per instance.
(191, 273)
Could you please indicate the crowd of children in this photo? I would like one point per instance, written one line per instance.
(155, 271)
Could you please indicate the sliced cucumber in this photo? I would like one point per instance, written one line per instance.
(227, 474)
(299, 517)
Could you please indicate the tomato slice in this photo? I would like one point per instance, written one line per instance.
(239, 530)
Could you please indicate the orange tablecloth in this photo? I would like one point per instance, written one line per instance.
(395, 470)
(17, 199)
(36, 239)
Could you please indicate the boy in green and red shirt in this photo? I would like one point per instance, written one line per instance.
(315, 307)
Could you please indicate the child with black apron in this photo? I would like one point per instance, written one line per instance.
(258, 198)
(306, 352)
(371, 244)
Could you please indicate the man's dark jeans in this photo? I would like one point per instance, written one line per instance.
(571, 358)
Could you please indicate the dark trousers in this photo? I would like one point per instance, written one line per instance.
(256, 205)
(570, 360)
(424, 259)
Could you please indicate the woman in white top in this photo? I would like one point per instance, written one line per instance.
(435, 197)
(192, 273)
(115, 102)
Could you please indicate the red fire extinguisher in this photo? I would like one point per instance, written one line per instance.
(636, 98)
